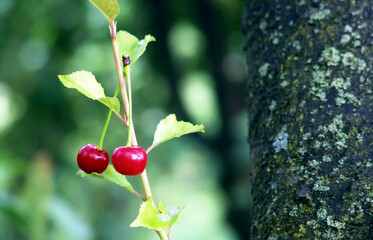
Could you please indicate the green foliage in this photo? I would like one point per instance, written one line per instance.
(170, 128)
(85, 82)
(173, 212)
(13, 207)
(35, 115)
(131, 45)
(112, 176)
(109, 8)
(156, 218)
(37, 194)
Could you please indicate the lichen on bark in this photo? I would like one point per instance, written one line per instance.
(310, 118)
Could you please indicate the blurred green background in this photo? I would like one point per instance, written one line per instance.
(195, 69)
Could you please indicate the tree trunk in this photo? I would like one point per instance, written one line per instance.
(310, 118)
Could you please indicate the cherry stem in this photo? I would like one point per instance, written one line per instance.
(121, 119)
(131, 133)
(118, 66)
(162, 235)
(122, 83)
(150, 148)
(121, 79)
(138, 195)
(106, 124)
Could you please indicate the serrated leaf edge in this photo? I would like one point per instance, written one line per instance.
(171, 117)
(103, 13)
(63, 79)
(126, 185)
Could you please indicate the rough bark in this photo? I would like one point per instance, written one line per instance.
(310, 118)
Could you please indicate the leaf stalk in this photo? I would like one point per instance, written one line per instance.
(106, 123)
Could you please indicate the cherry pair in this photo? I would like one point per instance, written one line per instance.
(126, 160)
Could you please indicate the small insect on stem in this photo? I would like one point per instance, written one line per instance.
(126, 60)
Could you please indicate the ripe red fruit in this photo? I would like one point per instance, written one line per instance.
(129, 160)
(90, 159)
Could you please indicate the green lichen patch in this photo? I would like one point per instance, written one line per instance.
(349, 59)
(335, 224)
(331, 56)
(322, 82)
(345, 38)
(319, 84)
(333, 131)
(320, 185)
(273, 105)
(319, 15)
(281, 140)
(263, 70)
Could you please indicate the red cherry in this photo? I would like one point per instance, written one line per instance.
(129, 160)
(90, 159)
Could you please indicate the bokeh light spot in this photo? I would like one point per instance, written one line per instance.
(186, 41)
(33, 55)
(200, 101)
(10, 107)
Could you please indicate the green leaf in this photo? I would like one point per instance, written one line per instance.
(156, 218)
(111, 102)
(170, 128)
(131, 45)
(112, 176)
(109, 8)
(86, 83)
(141, 47)
(173, 212)
(161, 207)
(150, 217)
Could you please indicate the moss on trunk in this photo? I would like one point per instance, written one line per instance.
(310, 118)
